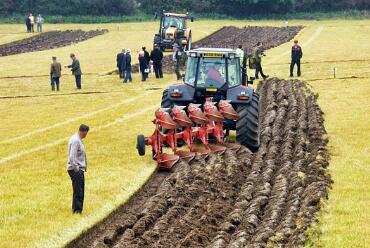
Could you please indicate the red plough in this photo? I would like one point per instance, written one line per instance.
(181, 127)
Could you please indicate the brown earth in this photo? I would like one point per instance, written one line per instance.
(239, 199)
(48, 40)
(231, 37)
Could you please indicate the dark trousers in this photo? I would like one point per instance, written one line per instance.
(78, 185)
(120, 72)
(54, 82)
(292, 64)
(78, 81)
(177, 71)
(158, 69)
(127, 76)
(28, 28)
(144, 76)
(259, 70)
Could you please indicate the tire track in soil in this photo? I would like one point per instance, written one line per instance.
(239, 199)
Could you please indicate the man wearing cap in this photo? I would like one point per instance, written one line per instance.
(127, 66)
(76, 70)
(176, 60)
(257, 55)
(156, 56)
(296, 58)
(55, 73)
(77, 166)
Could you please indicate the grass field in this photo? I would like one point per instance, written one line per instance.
(35, 189)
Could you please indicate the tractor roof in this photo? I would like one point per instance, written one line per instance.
(213, 51)
(177, 15)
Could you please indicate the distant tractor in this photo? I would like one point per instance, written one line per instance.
(173, 29)
(213, 100)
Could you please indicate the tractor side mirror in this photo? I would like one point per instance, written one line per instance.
(191, 19)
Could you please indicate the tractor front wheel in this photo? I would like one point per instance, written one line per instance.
(140, 146)
(247, 127)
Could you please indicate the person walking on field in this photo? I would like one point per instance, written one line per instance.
(176, 60)
(296, 58)
(76, 70)
(156, 56)
(55, 74)
(39, 22)
(77, 166)
(126, 66)
(144, 66)
(32, 21)
(119, 62)
(258, 54)
(28, 23)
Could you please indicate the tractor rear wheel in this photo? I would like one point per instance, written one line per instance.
(140, 146)
(166, 101)
(247, 127)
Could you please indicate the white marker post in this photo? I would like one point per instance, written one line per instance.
(334, 71)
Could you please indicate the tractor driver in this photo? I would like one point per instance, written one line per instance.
(214, 75)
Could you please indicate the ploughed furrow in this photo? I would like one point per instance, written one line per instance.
(48, 40)
(238, 199)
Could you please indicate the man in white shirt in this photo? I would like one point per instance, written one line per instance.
(76, 167)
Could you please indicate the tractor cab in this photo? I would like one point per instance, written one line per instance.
(215, 73)
(173, 30)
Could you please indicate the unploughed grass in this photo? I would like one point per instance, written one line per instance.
(35, 189)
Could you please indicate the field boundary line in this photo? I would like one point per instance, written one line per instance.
(41, 130)
(59, 141)
(306, 43)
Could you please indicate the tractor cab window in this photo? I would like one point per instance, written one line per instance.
(234, 72)
(173, 21)
(212, 72)
(191, 71)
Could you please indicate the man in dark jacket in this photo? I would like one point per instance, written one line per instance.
(147, 58)
(76, 70)
(126, 66)
(296, 58)
(55, 74)
(28, 24)
(258, 53)
(156, 56)
(119, 62)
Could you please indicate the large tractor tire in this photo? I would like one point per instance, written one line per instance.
(247, 127)
(166, 101)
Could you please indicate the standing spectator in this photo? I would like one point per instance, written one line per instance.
(76, 70)
(296, 58)
(55, 74)
(119, 62)
(32, 21)
(258, 54)
(77, 166)
(147, 57)
(144, 66)
(39, 21)
(156, 56)
(28, 23)
(127, 66)
(176, 60)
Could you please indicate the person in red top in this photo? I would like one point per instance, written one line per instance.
(296, 58)
(214, 74)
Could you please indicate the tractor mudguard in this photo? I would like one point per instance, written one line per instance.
(181, 93)
(240, 94)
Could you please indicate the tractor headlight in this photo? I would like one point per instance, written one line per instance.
(193, 55)
(176, 93)
(243, 96)
(231, 55)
